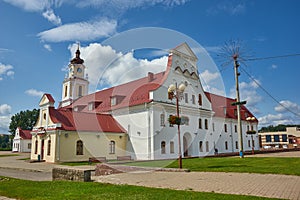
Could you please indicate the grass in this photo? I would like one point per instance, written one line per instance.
(154, 163)
(24, 189)
(263, 165)
(7, 155)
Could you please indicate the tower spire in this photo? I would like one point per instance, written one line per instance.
(77, 59)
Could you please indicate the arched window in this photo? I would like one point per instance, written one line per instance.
(163, 147)
(79, 147)
(80, 91)
(49, 148)
(225, 128)
(226, 145)
(112, 147)
(201, 146)
(200, 123)
(206, 124)
(36, 147)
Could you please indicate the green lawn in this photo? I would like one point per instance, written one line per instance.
(263, 165)
(7, 155)
(23, 189)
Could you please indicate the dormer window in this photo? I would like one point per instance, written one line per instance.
(91, 106)
(115, 100)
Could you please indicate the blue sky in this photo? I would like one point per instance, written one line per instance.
(38, 38)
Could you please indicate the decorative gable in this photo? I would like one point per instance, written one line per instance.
(185, 51)
(47, 100)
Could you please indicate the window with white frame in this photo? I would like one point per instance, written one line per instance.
(112, 147)
(172, 147)
(163, 147)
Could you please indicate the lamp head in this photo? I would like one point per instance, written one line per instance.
(171, 88)
(181, 87)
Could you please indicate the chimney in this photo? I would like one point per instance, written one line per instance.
(150, 76)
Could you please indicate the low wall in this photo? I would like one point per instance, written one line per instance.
(71, 174)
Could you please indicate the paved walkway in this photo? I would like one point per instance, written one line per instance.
(267, 185)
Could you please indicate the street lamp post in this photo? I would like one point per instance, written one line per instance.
(176, 92)
(251, 132)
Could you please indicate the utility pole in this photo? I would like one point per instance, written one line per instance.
(238, 104)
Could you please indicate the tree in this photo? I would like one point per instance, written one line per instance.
(24, 119)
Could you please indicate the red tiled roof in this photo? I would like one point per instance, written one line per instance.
(81, 121)
(24, 134)
(219, 103)
(128, 94)
(49, 96)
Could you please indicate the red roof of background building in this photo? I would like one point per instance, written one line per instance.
(219, 103)
(81, 121)
(25, 134)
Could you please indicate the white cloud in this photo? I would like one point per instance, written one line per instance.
(48, 47)
(230, 7)
(40, 6)
(108, 67)
(5, 115)
(273, 66)
(287, 106)
(82, 31)
(30, 5)
(34, 92)
(248, 92)
(51, 17)
(4, 123)
(271, 119)
(211, 82)
(5, 109)
(6, 70)
(121, 6)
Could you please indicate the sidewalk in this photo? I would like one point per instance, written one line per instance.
(266, 185)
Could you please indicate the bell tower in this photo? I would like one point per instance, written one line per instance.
(75, 84)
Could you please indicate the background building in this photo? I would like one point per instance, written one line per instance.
(282, 139)
(22, 141)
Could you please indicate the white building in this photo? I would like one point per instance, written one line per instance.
(22, 141)
(142, 107)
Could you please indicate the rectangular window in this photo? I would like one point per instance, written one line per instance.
(29, 146)
(276, 138)
(193, 99)
(268, 138)
(213, 126)
(172, 147)
(226, 145)
(225, 128)
(207, 146)
(162, 119)
(249, 143)
(200, 100)
(236, 145)
(284, 138)
(186, 97)
(235, 128)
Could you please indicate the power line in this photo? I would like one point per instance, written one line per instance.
(259, 85)
(272, 57)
